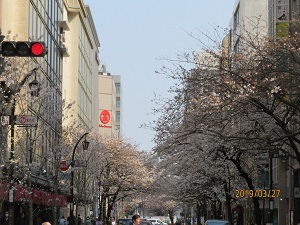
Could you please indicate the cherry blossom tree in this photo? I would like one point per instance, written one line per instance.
(232, 108)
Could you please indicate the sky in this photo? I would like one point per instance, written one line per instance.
(136, 34)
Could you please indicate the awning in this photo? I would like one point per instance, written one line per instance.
(39, 197)
(21, 193)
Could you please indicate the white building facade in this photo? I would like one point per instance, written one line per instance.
(81, 65)
(109, 105)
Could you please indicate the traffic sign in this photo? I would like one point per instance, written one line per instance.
(4, 120)
(26, 120)
(63, 166)
(78, 163)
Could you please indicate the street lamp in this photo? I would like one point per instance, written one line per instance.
(85, 145)
(34, 86)
(10, 96)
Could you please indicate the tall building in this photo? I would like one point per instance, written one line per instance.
(69, 71)
(249, 17)
(118, 85)
(31, 21)
(81, 65)
(110, 105)
(275, 17)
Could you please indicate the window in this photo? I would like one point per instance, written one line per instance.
(118, 102)
(118, 88)
(118, 116)
(236, 18)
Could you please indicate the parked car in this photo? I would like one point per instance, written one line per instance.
(156, 221)
(124, 221)
(146, 222)
(217, 222)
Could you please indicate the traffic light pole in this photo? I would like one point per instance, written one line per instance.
(72, 219)
(11, 160)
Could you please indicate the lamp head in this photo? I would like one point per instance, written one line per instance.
(85, 144)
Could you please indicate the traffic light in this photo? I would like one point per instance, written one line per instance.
(23, 49)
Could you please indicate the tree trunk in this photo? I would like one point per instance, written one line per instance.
(30, 202)
(198, 207)
(257, 212)
(171, 216)
(228, 206)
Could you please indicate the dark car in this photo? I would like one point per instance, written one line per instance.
(124, 221)
(217, 222)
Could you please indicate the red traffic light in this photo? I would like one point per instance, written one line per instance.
(23, 49)
(38, 49)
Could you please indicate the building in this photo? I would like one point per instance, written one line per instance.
(68, 72)
(275, 22)
(81, 65)
(110, 105)
(118, 84)
(249, 19)
(32, 21)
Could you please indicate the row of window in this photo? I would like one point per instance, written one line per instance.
(43, 25)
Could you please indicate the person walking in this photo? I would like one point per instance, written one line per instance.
(4, 220)
(88, 221)
(136, 220)
(62, 221)
(79, 220)
(113, 222)
(22, 220)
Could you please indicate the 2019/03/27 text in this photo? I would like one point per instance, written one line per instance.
(257, 193)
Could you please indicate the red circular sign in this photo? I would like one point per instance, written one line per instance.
(104, 116)
(63, 165)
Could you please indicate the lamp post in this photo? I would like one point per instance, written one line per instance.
(85, 145)
(272, 154)
(10, 95)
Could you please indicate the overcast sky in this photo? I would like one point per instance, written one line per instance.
(135, 34)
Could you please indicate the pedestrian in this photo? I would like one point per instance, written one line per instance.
(4, 220)
(71, 220)
(79, 220)
(37, 221)
(22, 220)
(88, 221)
(136, 220)
(113, 222)
(62, 221)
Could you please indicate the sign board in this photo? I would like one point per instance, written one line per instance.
(296, 192)
(282, 16)
(78, 163)
(26, 120)
(4, 120)
(104, 116)
(105, 119)
(63, 166)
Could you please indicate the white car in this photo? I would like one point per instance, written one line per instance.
(156, 221)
